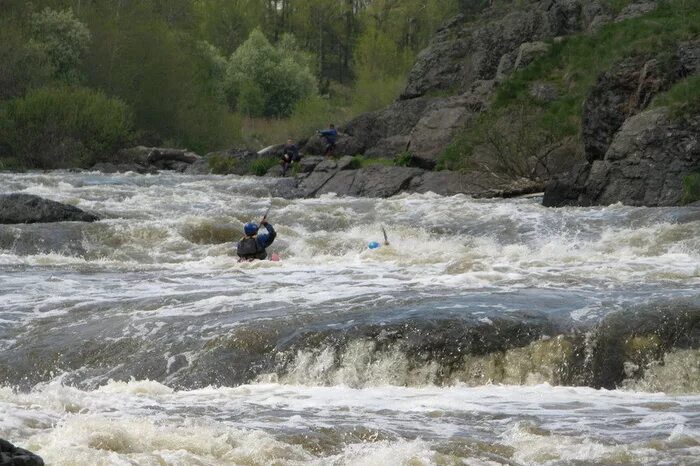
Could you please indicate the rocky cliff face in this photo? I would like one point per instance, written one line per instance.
(635, 155)
(454, 78)
(644, 165)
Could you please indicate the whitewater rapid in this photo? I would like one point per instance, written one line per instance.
(481, 335)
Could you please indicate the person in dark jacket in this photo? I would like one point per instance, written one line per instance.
(253, 246)
(330, 135)
(289, 155)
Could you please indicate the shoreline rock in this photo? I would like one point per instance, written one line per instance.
(27, 208)
(11, 455)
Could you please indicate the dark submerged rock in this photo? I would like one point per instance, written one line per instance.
(27, 208)
(11, 455)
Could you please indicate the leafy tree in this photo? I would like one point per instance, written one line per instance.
(23, 67)
(228, 23)
(279, 73)
(380, 67)
(63, 38)
(164, 75)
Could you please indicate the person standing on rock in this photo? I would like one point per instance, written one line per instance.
(253, 246)
(330, 135)
(289, 155)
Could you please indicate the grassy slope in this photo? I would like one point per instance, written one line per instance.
(573, 66)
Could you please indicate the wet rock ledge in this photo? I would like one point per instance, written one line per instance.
(27, 208)
(11, 455)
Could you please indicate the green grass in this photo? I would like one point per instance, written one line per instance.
(683, 98)
(221, 164)
(573, 66)
(260, 166)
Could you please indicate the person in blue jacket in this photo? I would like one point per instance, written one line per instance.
(330, 135)
(253, 246)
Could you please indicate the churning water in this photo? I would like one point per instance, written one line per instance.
(488, 332)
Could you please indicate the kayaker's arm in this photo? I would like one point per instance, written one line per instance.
(267, 239)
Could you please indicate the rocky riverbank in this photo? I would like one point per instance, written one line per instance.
(627, 149)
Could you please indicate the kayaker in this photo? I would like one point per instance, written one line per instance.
(253, 246)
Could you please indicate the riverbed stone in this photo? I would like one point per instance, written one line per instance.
(28, 208)
(11, 455)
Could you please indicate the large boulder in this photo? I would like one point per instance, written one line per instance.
(11, 455)
(374, 129)
(373, 181)
(647, 161)
(311, 184)
(27, 208)
(443, 118)
(645, 164)
(461, 53)
(619, 93)
(635, 156)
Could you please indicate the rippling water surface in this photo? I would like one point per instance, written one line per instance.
(487, 332)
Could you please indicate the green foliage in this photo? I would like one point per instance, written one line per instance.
(381, 68)
(161, 73)
(278, 77)
(221, 164)
(65, 126)
(228, 23)
(22, 67)
(63, 38)
(683, 98)
(403, 159)
(572, 66)
(691, 188)
(260, 166)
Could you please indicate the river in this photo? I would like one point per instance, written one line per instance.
(488, 332)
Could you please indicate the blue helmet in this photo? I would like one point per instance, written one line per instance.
(250, 229)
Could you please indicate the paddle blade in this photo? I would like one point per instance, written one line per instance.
(386, 239)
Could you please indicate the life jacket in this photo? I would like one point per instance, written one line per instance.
(249, 249)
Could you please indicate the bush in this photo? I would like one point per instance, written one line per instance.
(65, 127)
(221, 164)
(261, 166)
(171, 82)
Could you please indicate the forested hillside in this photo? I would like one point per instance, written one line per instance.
(81, 79)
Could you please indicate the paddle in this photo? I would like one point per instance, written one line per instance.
(264, 217)
(386, 240)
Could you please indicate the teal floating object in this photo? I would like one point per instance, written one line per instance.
(374, 245)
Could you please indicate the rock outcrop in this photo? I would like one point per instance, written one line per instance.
(463, 62)
(27, 208)
(11, 455)
(635, 155)
(142, 159)
(644, 165)
(316, 177)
